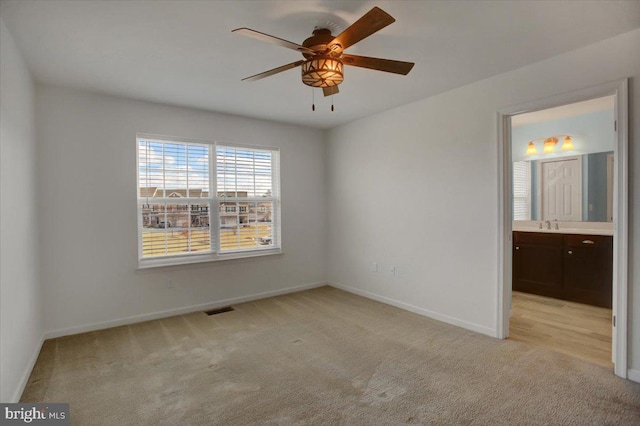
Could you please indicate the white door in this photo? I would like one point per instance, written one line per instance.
(561, 189)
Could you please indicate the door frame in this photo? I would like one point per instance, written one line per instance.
(610, 172)
(620, 89)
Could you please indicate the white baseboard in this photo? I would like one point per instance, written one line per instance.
(633, 375)
(177, 311)
(417, 310)
(27, 372)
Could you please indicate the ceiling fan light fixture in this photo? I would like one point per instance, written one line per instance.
(322, 71)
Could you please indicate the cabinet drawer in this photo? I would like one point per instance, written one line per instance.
(538, 238)
(589, 241)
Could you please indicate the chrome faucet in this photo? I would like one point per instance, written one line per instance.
(548, 222)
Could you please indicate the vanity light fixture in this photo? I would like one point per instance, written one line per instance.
(549, 145)
(567, 145)
(531, 148)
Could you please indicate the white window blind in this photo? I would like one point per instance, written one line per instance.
(522, 190)
(247, 197)
(202, 201)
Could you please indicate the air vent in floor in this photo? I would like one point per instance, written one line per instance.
(219, 310)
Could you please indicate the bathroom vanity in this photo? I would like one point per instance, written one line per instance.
(574, 264)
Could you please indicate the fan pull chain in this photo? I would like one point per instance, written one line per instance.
(313, 100)
(331, 103)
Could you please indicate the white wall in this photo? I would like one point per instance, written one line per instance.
(20, 290)
(417, 187)
(87, 161)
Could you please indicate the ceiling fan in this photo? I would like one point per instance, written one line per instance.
(324, 55)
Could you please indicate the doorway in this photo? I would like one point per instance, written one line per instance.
(618, 211)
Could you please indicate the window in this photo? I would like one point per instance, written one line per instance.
(205, 201)
(521, 190)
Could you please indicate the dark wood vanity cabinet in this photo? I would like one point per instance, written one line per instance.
(588, 269)
(537, 263)
(571, 267)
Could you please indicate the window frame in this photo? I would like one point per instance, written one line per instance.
(213, 202)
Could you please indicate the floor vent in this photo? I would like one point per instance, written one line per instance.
(219, 310)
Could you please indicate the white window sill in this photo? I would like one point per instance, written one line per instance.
(209, 257)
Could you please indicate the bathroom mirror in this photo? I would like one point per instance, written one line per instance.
(563, 163)
(570, 189)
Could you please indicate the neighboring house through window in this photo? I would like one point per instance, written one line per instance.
(205, 201)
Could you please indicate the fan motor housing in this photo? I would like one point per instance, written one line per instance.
(318, 41)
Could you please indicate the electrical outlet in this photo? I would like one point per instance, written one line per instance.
(170, 283)
(392, 270)
(374, 267)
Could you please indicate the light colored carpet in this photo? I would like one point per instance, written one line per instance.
(321, 356)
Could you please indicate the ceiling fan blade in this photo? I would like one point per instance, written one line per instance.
(387, 65)
(274, 71)
(271, 39)
(328, 91)
(373, 21)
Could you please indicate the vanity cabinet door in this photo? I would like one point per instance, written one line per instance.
(588, 269)
(537, 263)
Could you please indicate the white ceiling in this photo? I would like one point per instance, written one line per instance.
(564, 111)
(183, 52)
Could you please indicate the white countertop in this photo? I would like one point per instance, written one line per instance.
(582, 228)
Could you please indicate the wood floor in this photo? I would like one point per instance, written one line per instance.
(576, 329)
